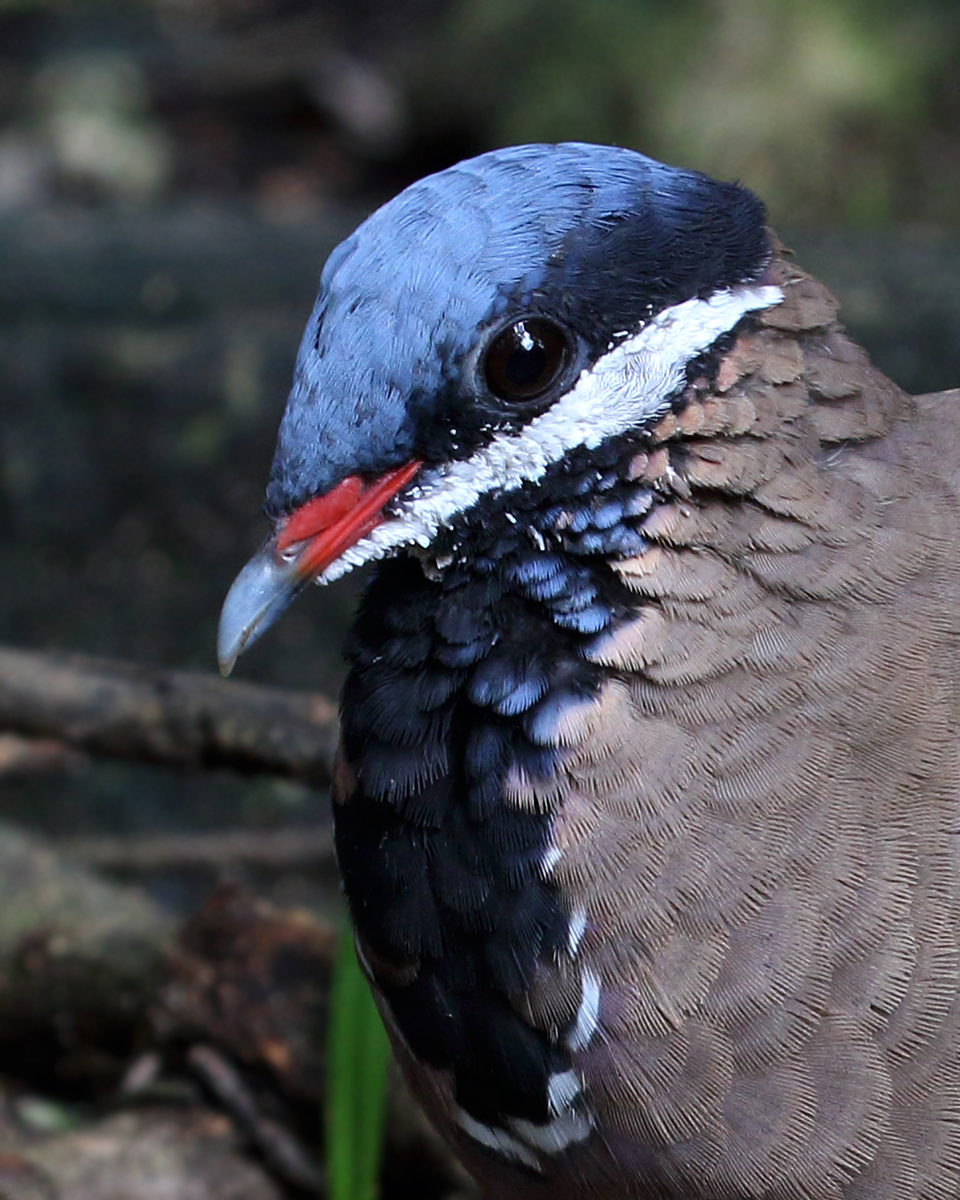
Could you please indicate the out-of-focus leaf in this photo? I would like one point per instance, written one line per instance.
(357, 1056)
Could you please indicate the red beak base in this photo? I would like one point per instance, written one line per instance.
(305, 544)
(331, 524)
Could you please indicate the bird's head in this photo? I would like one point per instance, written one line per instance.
(481, 326)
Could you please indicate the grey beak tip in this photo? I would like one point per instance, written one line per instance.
(226, 665)
(229, 645)
(259, 594)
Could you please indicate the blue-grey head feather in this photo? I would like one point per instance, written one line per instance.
(599, 237)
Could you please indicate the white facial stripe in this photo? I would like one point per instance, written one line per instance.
(625, 388)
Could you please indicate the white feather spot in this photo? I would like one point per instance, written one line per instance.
(497, 1139)
(550, 859)
(557, 1135)
(575, 930)
(562, 1089)
(588, 1012)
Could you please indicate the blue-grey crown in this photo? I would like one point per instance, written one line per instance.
(599, 237)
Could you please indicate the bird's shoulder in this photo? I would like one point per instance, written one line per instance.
(780, 686)
(765, 786)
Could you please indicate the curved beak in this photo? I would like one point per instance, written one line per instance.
(257, 597)
(306, 542)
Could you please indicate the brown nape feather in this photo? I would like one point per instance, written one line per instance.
(759, 817)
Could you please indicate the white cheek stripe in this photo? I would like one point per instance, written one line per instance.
(624, 389)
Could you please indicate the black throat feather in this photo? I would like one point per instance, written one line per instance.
(460, 666)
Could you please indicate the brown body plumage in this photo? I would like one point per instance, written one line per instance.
(759, 816)
(648, 806)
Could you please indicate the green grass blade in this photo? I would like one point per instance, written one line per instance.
(357, 1057)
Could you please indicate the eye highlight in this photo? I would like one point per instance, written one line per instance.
(526, 359)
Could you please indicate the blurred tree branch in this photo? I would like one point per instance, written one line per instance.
(102, 992)
(177, 718)
(80, 960)
(223, 850)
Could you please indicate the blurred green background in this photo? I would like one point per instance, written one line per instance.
(174, 172)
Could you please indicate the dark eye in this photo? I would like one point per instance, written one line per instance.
(526, 359)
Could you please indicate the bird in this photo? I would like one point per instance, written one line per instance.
(647, 800)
